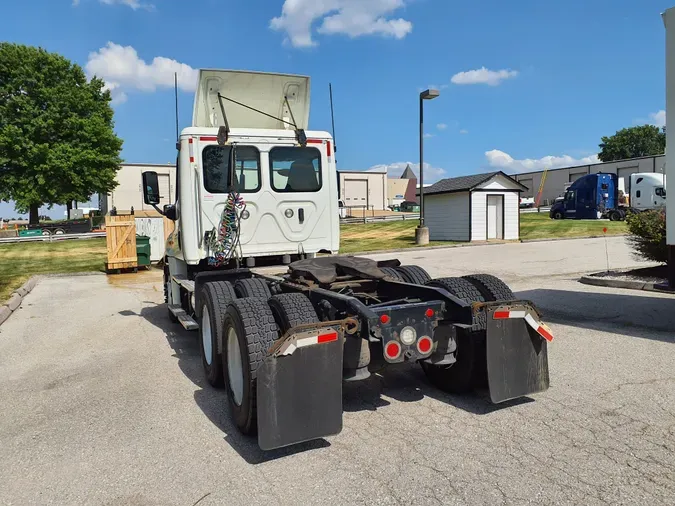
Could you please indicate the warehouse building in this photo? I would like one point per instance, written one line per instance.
(557, 180)
(129, 191)
(364, 189)
(481, 207)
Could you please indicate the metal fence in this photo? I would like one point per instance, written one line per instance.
(379, 219)
(52, 238)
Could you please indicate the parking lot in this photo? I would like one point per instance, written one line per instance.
(104, 402)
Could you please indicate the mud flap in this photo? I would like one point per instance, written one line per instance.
(300, 395)
(517, 355)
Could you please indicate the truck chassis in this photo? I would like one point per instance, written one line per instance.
(282, 345)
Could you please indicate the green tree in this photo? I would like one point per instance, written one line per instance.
(646, 140)
(57, 142)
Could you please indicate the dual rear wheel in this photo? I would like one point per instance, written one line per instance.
(239, 324)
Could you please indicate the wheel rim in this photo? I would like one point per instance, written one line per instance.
(207, 343)
(59, 232)
(235, 370)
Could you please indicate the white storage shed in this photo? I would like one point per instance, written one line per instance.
(481, 207)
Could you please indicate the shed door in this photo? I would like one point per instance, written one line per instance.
(495, 217)
(356, 192)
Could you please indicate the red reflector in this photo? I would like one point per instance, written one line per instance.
(192, 159)
(327, 148)
(190, 140)
(208, 139)
(314, 141)
(500, 315)
(328, 337)
(424, 345)
(545, 334)
(384, 319)
(392, 350)
(429, 313)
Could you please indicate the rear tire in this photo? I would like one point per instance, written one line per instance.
(250, 331)
(252, 287)
(392, 273)
(215, 298)
(463, 289)
(467, 371)
(414, 274)
(490, 287)
(558, 215)
(291, 310)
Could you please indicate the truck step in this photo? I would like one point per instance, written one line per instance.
(185, 283)
(185, 319)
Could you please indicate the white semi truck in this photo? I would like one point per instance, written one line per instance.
(255, 186)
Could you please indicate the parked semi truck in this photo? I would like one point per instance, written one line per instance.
(255, 186)
(597, 196)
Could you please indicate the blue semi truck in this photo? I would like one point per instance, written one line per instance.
(597, 196)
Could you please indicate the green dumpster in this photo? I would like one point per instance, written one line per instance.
(143, 249)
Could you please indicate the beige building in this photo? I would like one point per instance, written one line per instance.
(364, 189)
(129, 192)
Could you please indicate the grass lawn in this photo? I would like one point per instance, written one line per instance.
(401, 234)
(20, 261)
(380, 236)
(540, 226)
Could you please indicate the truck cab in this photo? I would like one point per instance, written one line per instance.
(253, 183)
(647, 191)
(590, 197)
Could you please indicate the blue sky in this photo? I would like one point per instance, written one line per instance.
(524, 84)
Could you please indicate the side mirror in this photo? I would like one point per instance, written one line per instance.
(150, 188)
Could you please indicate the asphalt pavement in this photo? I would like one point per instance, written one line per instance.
(104, 402)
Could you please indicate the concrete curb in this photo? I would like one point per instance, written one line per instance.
(15, 300)
(621, 283)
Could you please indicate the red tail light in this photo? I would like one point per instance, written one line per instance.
(384, 319)
(424, 345)
(429, 313)
(393, 350)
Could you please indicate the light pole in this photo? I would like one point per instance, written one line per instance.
(422, 232)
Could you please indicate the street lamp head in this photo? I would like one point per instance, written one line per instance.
(429, 94)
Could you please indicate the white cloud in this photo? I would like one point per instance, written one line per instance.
(134, 4)
(483, 76)
(441, 126)
(122, 69)
(427, 135)
(463, 131)
(353, 18)
(506, 162)
(658, 118)
(431, 174)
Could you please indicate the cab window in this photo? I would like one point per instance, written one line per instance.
(569, 196)
(295, 169)
(216, 161)
(661, 192)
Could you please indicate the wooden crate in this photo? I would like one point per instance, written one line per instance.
(121, 242)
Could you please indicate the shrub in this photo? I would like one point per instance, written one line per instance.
(648, 234)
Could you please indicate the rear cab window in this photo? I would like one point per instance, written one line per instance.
(295, 169)
(216, 169)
